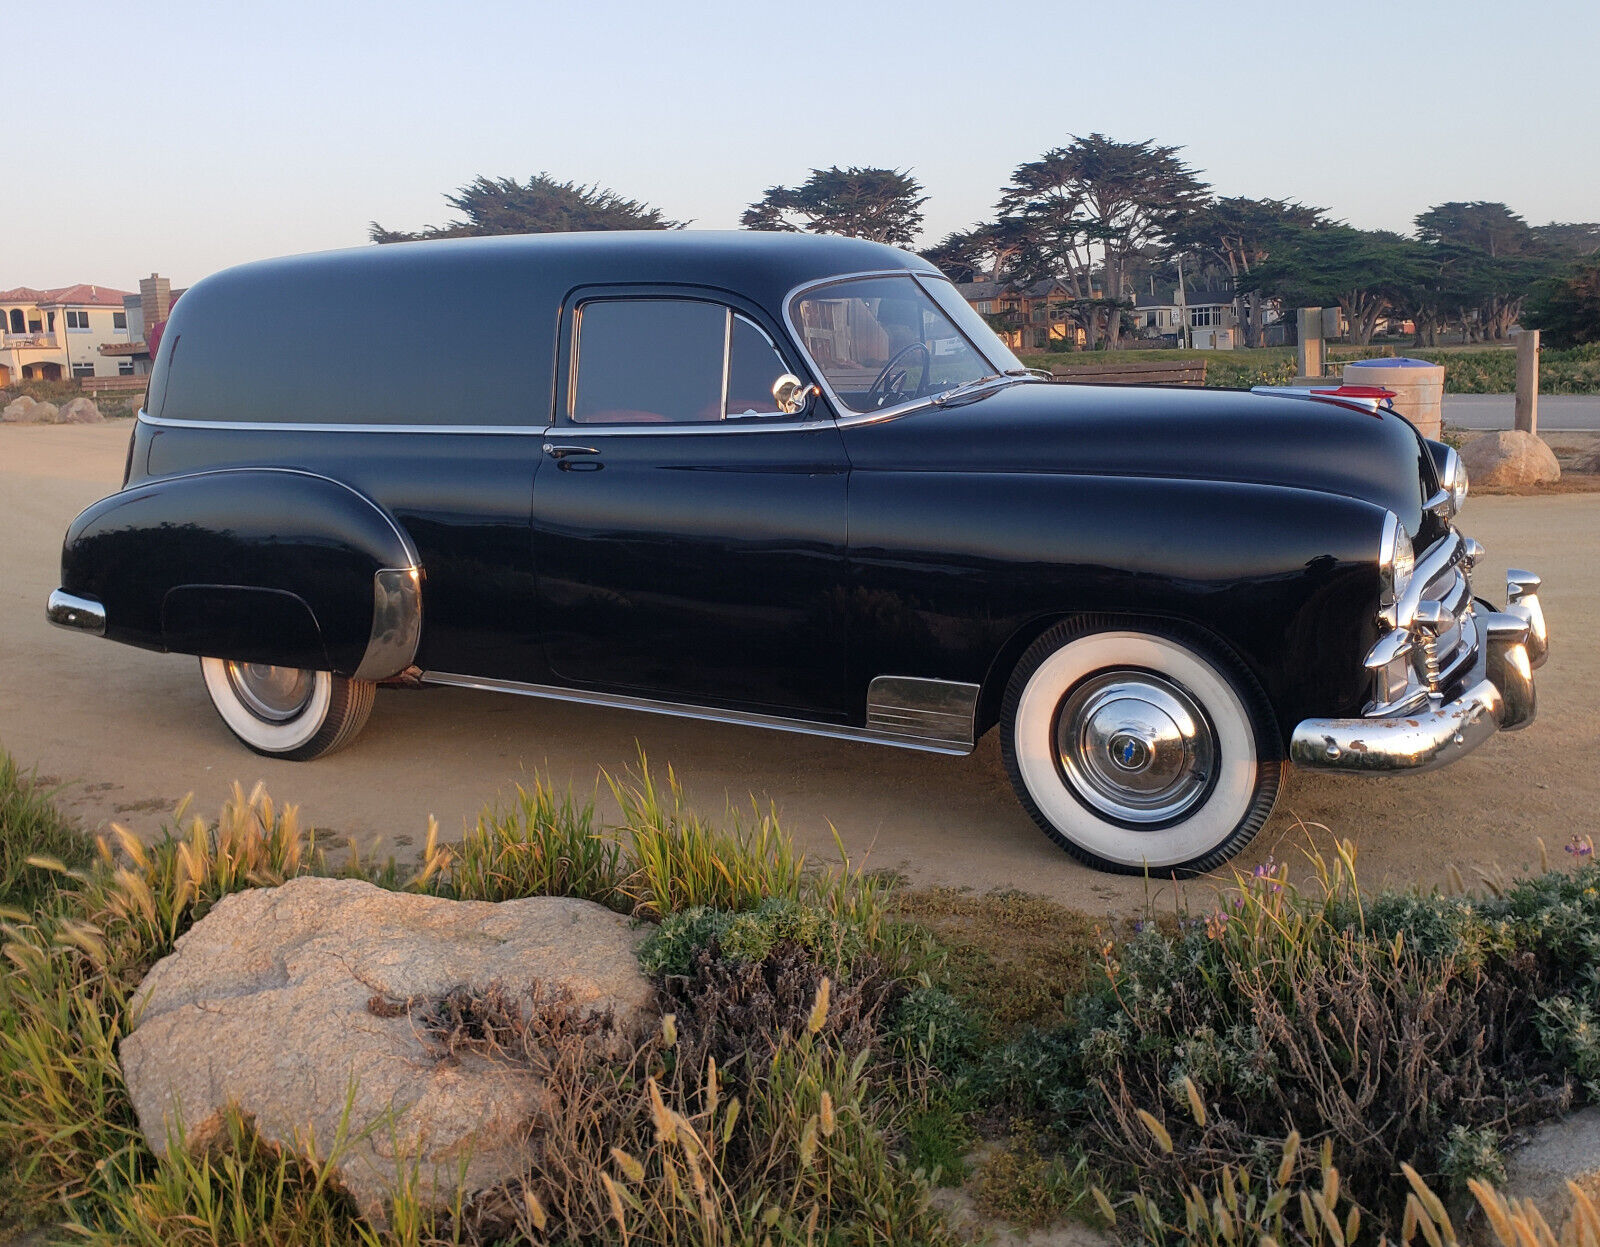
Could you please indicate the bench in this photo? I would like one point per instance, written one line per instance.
(113, 385)
(1154, 372)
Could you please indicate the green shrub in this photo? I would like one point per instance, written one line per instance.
(750, 936)
(937, 1027)
(1405, 1028)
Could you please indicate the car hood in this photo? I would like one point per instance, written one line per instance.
(1223, 435)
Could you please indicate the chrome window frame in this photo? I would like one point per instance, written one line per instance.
(845, 415)
(769, 420)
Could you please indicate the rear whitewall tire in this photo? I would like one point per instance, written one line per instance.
(331, 716)
(1210, 814)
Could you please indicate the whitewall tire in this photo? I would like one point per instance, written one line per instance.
(1140, 748)
(287, 712)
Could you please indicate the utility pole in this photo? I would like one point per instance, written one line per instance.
(1183, 308)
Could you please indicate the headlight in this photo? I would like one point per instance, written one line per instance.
(1396, 559)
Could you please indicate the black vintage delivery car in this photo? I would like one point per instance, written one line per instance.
(791, 482)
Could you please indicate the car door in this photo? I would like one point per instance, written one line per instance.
(689, 537)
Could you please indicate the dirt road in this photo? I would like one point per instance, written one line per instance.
(131, 732)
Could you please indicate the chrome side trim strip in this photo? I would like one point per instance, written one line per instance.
(710, 714)
(737, 424)
(67, 610)
(396, 623)
(936, 710)
(272, 426)
(748, 424)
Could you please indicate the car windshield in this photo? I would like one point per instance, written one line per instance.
(883, 341)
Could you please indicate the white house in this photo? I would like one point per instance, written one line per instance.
(51, 335)
(1209, 315)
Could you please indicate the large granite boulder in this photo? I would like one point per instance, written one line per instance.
(81, 410)
(1555, 1154)
(16, 411)
(1510, 457)
(280, 1000)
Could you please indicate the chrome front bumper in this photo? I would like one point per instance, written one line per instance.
(1496, 695)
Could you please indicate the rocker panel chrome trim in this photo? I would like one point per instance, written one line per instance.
(935, 710)
(711, 714)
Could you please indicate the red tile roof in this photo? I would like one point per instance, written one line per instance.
(81, 295)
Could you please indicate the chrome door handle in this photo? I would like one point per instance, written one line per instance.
(562, 452)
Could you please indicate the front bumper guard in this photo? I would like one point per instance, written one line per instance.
(1498, 695)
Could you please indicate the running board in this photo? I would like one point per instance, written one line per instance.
(934, 716)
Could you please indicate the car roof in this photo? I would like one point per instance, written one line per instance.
(757, 262)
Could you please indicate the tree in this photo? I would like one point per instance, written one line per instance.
(1098, 203)
(1366, 272)
(542, 205)
(1566, 309)
(1236, 234)
(964, 255)
(884, 205)
(1568, 240)
(1487, 256)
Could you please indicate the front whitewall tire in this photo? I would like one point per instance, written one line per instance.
(1233, 751)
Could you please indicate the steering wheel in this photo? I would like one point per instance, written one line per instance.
(892, 375)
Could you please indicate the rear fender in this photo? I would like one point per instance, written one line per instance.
(270, 565)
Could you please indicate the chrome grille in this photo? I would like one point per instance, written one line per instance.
(1453, 646)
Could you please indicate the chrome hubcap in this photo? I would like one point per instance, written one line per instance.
(272, 694)
(1135, 746)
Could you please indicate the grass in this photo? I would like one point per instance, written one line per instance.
(32, 828)
(1011, 959)
(1474, 369)
(832, 1047)
(683, 1137)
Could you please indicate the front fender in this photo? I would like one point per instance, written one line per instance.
(956, 573)
(258, 564)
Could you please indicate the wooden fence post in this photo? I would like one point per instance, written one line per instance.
(1527, 407)
(1308, 329)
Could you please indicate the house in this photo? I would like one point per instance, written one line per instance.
(147, 314)
(51, 335)
(1028, 318)
(1210, 317)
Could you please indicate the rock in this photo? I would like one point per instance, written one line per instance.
(1511, 457)
(81, 410)
(1555, 1154)
(1587, 463)
(277, 1002)
(16, 411)
(43, 413)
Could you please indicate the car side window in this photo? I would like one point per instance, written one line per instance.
(648, 361)
(670, 361)
(753, 365)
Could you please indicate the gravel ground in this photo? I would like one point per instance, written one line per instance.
(128, 733)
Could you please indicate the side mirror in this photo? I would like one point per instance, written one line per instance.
(792, 395)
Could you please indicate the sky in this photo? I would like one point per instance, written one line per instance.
(202, 135)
